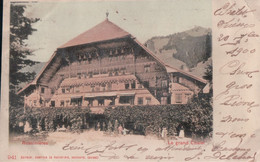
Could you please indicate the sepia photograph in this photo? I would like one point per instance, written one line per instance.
(99, 71)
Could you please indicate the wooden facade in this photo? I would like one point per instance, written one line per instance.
(106, 66)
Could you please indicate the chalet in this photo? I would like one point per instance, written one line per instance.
(107, 66)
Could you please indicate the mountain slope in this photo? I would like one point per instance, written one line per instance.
(189, 50)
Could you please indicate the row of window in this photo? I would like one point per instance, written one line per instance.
(102, 87)
(140, 100)
(122, 100)
(108, 87)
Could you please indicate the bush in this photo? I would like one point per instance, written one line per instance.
(48, 119)
(195, 117)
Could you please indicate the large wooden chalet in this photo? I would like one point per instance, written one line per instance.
(107, 66)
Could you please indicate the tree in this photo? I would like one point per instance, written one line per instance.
(208, 77)
(200, 115)
(20, 29)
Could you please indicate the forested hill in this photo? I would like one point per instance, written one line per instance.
(189, 50)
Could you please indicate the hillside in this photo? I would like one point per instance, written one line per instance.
(35, 68)
(189, 50)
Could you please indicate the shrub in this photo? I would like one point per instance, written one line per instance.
(195, 117)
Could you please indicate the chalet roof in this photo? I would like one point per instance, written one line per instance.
(106, 30)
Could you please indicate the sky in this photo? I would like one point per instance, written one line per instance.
(62, 21)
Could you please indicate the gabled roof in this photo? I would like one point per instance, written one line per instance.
(106, 30)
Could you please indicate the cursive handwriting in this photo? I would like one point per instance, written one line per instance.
(233, 135)
(232, 156)
(237, 40)
(232, 10)
(230, 119)
(233, 23)
(97, 149)
(235, 67)
(240, 50)
(233, 85)
(237, 101)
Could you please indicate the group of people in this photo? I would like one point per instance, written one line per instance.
(165, 132)
(112, 128)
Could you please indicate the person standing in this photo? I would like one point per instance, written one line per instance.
(164, 133)
(181, 134)
(125, 131)
(120, 129)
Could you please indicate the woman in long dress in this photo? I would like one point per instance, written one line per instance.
(181, 134)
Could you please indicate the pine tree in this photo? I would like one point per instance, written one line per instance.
(20, 29)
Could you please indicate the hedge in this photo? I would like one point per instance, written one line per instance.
(195, 117)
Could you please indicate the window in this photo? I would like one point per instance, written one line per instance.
(126, 100)
(79, 75)
(147, 68)
(110, 73)
(178, 98)
(90, 103)
(140, 100)
(123, 71)
(103, 87)
(42, 90)
(63, 90)
(101, 102)
(148, 100)
(52, 103)
(127, 86)
(133, 85)
(62, 103)
(89, 60)
(92, 88)
(164, 83)
(188, 96)
(109, 86)
(90, 74)
(52, 91)
(84, 75)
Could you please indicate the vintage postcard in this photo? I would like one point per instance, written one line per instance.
(149, 80)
